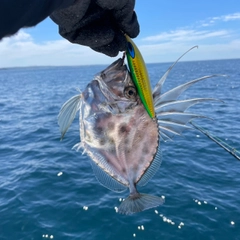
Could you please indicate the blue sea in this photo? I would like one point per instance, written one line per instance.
(48, 191)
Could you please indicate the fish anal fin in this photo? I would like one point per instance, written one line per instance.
(106, 180)
(152, 169)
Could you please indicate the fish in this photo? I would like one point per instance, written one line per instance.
(121, 139)
(140, 77)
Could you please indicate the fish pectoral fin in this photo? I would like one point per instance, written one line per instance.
(138, 203)
(68, 113)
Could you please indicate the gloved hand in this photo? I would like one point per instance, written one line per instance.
(99, 24)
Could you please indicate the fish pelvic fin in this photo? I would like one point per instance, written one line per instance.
(138, 203)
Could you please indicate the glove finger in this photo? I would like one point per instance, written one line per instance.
(127, 19)
(112, 49)
(69, 17)
(111, 5)
(95, 34)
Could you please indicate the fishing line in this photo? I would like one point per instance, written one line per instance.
(218, 141)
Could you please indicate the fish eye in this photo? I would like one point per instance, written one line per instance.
(130, 92)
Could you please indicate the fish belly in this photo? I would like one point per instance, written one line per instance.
(122, 145)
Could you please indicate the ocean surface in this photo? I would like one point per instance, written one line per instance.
(48, 191)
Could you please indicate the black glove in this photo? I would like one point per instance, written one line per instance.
(99, 24)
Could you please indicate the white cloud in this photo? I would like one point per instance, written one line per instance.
(230, 17)
(221, 42)
(186, 35)
(169, 52)
(224, 18)
(22, 50)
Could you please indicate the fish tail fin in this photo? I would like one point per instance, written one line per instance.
(138, 203)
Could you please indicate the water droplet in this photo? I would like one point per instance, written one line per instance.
(205, 202)
(179, 227)
(215, 208)
(199, 203)
(156, 211)
(232, 222)
(134, 235)
(60, 174)
(51, 236)
(142, 227)
(163, 197)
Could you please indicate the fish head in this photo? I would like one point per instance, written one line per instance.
(113, 87)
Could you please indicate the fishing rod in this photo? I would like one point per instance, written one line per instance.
(218, 141)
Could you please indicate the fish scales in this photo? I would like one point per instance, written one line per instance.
(120, 137)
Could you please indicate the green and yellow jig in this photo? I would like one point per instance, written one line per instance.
(140, 76)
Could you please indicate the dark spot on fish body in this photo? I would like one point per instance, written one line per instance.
(128, 150)
(145, 124)
(102, 141)
(99, 130)
(142, 159)
(111, 126)
(132, 122)
(126, 141)
(124, 170)
(112, 150)
(145, 150)
(135, 167)
(139, 136)
(123, 129)
(111, 140)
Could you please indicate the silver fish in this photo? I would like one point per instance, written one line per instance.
(118, 135)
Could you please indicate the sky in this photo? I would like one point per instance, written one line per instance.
(167, 29)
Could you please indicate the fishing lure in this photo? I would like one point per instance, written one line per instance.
(140, 76)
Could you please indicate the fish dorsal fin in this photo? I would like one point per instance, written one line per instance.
(68, 113)
(170, 112)
(106, 180)
(180, 105)
(158, 87)
(174, 123)
(152, 169)
(174, 93)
